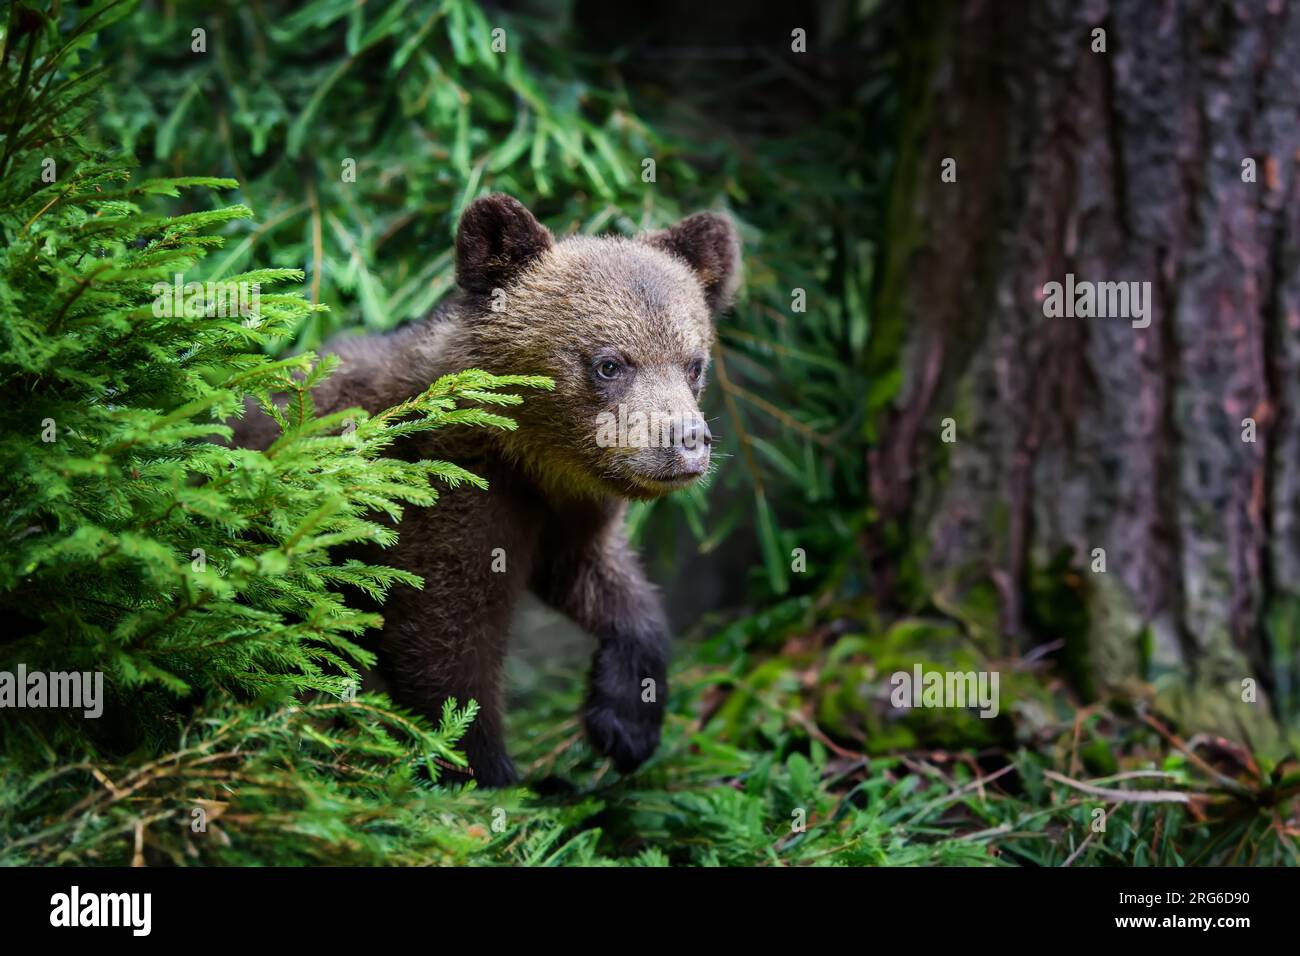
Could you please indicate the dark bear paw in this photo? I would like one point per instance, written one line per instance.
(495, 770)
(628, 739)
(488, 770)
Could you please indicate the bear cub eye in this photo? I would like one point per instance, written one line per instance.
(608, 369)
(694, 372)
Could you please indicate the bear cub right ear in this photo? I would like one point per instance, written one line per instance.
(707, 242)
(497, 237)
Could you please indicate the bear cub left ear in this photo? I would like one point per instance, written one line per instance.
(708, 243)
(497, 238)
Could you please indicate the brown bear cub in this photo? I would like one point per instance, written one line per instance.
(624, 327)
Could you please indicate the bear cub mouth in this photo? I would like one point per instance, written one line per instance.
(681, 474)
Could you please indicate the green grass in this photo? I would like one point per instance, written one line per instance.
(729, 792)
(745, 777)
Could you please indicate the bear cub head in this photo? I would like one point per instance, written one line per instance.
(624, 327)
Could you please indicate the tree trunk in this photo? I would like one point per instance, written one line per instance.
(1078, 434)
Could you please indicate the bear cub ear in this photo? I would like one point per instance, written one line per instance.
(496, 238)
(707, 242)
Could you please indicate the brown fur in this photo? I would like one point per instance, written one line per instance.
(557, 495)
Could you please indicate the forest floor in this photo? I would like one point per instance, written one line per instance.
(748, 774)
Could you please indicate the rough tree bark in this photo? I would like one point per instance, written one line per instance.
(1081, 433)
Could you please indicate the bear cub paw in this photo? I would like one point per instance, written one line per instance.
(629, 739)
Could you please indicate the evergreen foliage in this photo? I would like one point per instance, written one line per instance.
(195, 576)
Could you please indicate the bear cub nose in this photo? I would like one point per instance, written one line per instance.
(692, 439)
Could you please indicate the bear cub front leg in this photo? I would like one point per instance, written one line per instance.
(605, 592)
(625, 696)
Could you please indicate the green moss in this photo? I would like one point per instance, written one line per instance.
(1057, 609)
